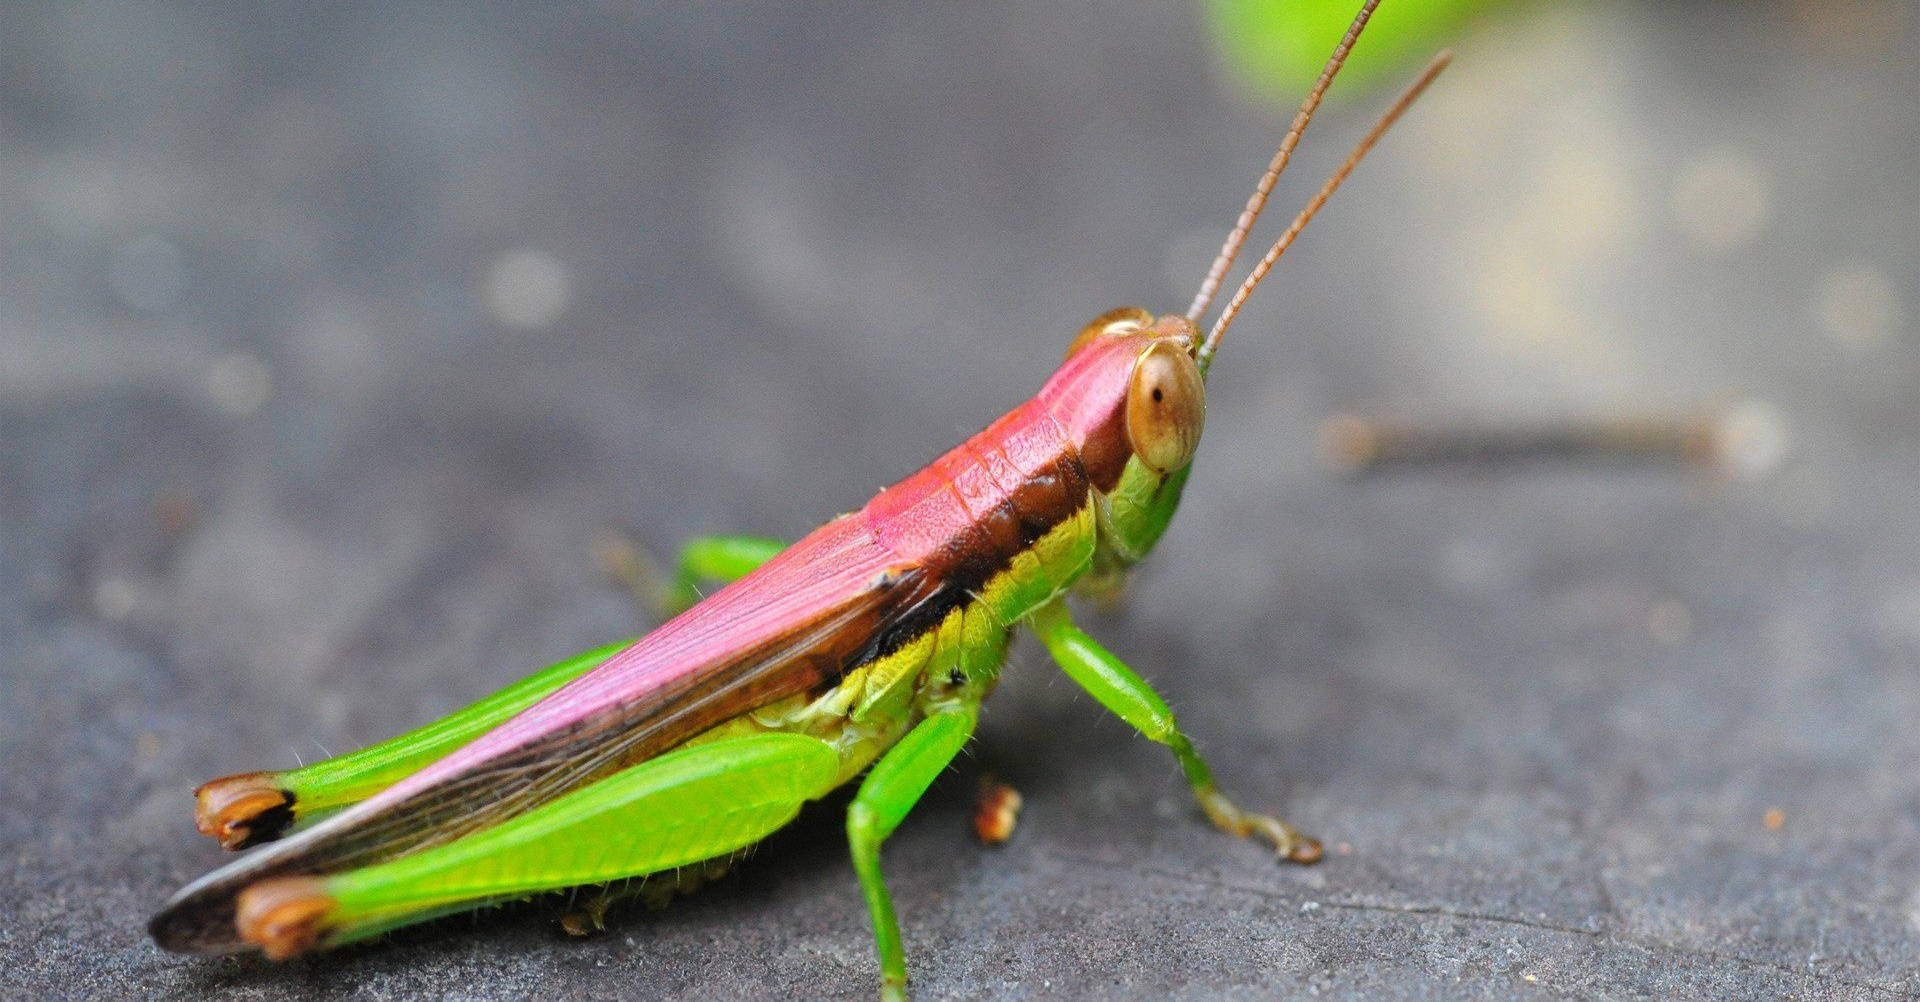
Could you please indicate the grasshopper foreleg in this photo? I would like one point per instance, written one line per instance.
(1120, 690)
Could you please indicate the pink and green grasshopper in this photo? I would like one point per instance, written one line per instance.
(866, 647)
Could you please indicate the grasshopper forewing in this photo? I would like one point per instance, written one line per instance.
(867, 646)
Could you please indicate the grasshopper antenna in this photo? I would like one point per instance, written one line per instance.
(1264, 187)
(1393, 113)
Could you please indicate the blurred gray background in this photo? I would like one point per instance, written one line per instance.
(331, 337)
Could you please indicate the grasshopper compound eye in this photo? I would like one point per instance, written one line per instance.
(1126, 318)
(1166, 407)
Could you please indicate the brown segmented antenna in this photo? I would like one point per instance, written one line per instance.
(1264, 187)
(1406, 99)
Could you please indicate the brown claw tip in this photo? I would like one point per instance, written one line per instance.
(580, 923)
(242, 810)
(283, 916)
(1305, 850)
(996, 813)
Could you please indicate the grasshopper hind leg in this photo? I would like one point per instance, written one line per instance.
(249, 808)
(676, 811)
(244, 809)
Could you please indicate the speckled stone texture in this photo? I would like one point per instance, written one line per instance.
(332, 335)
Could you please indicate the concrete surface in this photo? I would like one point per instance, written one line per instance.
(331, 337)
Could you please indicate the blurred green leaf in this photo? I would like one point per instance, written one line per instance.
(1278, 46)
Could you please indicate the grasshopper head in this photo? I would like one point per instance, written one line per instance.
(1133, 400)
(1132, 393)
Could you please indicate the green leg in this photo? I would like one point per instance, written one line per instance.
(703, 558)
(889, 792)
(253, 807)
(1129, 696)
(719, 558)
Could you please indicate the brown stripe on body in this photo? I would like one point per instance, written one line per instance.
(985, 546)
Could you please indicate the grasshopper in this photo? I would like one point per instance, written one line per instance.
(865, 647)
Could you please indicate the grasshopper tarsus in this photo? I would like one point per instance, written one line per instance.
(1286, 840)
(996, 812)
(1305, 849)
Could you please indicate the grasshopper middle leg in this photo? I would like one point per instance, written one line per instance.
(704, 558)
(896, 783)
